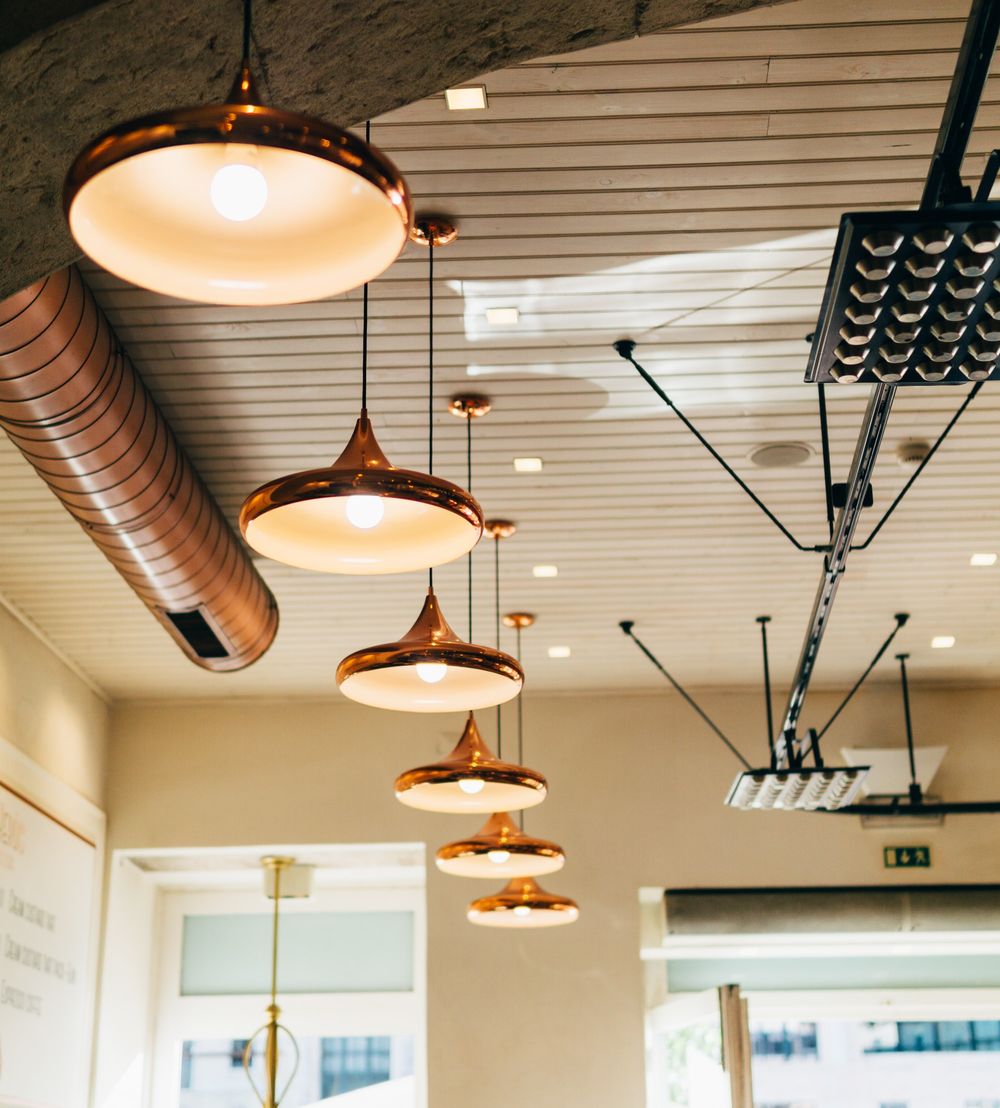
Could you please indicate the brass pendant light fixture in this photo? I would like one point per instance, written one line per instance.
(270, 1096)
(523, 903)
(472, 779)
(361, 515)
(431, 669)
(238, 202)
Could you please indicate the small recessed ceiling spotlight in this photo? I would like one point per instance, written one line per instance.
(502, 317)
(983, 560)
(468, 99)
(943, 642)
(528, 465)
(545, 571)
(559, 652)
(780, 455)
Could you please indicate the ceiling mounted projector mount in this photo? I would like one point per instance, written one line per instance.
(238, 202)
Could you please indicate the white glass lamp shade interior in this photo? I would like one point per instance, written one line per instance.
(500, 849)
(471, 780)
(523, 904)
(361, 515)
(430, 670)
(237, 223)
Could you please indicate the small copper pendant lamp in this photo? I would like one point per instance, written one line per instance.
(523, 903)
(500, 849)
(238, 202)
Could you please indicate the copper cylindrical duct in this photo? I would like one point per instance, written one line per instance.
(75, 407)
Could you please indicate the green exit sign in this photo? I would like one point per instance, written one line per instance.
(906, 857)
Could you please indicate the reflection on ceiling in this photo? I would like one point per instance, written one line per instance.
(682, 190)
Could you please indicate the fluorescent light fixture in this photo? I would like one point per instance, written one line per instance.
(975, 560)
(559, 651)
(797, 789)
(943, 642)
(502, 317)
(536, 465)
(469, 98)
(545, 571)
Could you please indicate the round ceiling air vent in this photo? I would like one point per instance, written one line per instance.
(911, 453)
(780, 455)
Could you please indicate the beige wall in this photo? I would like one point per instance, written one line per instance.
(50, 713)
(544, 1018)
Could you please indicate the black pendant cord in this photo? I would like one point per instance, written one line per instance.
(364, 318)
(625, 349)
(468, 485)
(496, 599)
(900, 618)
(430, 368)
(247, 31)
(626, 625)
(764, 621)
(916, 793)
(520, 724)
(973, 393)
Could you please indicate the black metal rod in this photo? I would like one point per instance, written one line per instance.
(764, 621)
(944, 808)
(468, 485)
(247, 31)
(901, 618)
(824, 431)
(625, 349)
(944, 178)
(520, 726)
(626, 625)
(916, 795)
(496, 599)
(972, 394)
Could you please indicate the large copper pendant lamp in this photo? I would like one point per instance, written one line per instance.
(523, 903)
(237, 203)
(472, 779)
(431, 669)
(500, 849)
(362, 515)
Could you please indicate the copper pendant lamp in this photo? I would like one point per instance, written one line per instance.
(361, 515)
(238, 202)
(500, 849)
(471, 779)
(523, 903)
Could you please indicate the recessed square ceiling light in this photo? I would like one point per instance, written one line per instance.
(943, 642)
(545, 571)
(559, 652)
(535, 465)
(975, 560)
(502, 317)
(467, 99)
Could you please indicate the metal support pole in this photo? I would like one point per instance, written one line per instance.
(916, 794)
(764, 621)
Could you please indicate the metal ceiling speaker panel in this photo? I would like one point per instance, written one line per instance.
(807, 789)
(913, 298)
(73, 404)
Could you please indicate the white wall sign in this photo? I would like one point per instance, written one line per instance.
(49, 880)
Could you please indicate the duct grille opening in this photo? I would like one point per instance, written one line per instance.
(195, 630)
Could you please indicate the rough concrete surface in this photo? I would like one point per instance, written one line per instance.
(72, 68)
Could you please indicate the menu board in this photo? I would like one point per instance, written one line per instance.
(47, 889)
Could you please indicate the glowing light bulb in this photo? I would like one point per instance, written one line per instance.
(522, 910)
(365, 512)
(239, 192)
(498, 857)
(471, 786)
(431, 672)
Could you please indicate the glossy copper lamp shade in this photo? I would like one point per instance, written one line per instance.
(523, 903)
(471, 779)
(430, 669)
(237, 203)
(500, 849)
(361, 515)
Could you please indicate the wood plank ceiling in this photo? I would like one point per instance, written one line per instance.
(682, 189)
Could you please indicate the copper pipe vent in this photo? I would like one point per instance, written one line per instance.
(73, 404)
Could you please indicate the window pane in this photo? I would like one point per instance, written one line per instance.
(213, 1077)
(320, 952)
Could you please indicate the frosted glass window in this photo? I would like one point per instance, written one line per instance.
(319, 952)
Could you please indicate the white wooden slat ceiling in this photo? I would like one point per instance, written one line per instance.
(681, 189)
